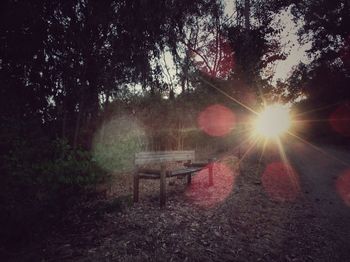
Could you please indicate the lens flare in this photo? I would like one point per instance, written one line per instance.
(215, 57)
(116, 142)
(340, 120)
(201, 193)
(272, 122)
(343, 187)
(281, 182)
(216, 120)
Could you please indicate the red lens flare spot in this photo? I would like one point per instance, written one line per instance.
(249, 98)
(343, 187)
(340, 120)
(215, 57)
(281, 182)
(205, 194)
(216, 120)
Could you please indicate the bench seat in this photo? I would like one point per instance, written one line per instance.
(155, 173)
(162, 158)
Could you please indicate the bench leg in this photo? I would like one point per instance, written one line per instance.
(239, 159)
(189, 179)
(162, 186)
(136, 186)
(210, 171)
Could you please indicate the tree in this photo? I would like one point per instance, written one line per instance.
(324, 81)
(59, 59)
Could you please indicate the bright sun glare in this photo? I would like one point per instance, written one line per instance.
(273, 121)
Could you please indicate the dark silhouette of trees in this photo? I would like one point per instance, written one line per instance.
(61, 64)
(325, 80)
(326, 26)
(60, 58)
(68, 68)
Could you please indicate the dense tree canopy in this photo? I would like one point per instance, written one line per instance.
(60, 58)
(73, 72)
(325, 25)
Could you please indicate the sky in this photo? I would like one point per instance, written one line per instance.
(297, 52)
(288, 37)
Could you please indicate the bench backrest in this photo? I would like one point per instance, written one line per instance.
(163, 156)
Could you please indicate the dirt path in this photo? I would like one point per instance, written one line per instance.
(245, 224)
(320, 171)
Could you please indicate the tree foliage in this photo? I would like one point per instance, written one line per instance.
(324, 81)
(73, 72)
(325, 25)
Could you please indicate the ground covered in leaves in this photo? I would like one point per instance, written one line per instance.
(235, 220)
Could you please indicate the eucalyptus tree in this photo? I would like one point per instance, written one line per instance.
(61, 59)
(326, 26)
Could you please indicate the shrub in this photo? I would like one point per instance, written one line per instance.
(40, 179)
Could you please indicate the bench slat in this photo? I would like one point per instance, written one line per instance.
(184, 171)
(149, 176)
(165, 152)
(203, 164)
(162, 156)
(155, 174)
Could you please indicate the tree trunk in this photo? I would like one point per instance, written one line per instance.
(77, 127)
(64, 123)
(247, 14)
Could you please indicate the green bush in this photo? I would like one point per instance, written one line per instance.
(40, 180)
(116, 144)
(53, 165)
(70, 167)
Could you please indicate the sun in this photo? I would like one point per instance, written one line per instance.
(272, 122)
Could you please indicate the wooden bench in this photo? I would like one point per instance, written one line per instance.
(162, 158)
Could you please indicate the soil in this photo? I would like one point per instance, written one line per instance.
(238, 219)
